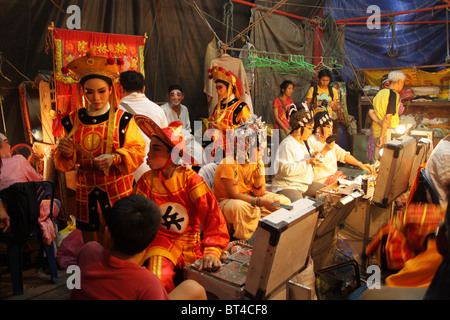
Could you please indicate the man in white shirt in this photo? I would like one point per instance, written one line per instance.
(174, 110)
(135, 102)
(438, 167)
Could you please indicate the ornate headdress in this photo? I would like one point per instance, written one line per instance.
(220, 73)
(256, 131)
(171, 135)
(91, 65)
(322, 118)
(308, 116)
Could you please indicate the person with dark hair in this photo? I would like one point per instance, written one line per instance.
(16, 168)
(193, 226)
(112, 272)
(323, 97)
(101, 141)
(174, 110)
(281, 107)
(295, 159)
(134, 101)
(332, 153)
(239, 182)
(230, 111)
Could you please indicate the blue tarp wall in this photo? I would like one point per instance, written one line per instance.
(418, 44)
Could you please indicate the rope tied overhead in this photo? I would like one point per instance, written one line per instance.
(392, 49)
(268, 13)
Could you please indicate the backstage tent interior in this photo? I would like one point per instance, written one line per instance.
(182, 37)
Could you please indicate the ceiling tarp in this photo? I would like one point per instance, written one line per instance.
(174, 52)
(407, 42)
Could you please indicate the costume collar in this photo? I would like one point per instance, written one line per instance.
(87, 119)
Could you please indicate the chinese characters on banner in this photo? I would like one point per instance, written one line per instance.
(69, 45)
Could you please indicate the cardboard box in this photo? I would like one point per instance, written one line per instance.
(281, 249)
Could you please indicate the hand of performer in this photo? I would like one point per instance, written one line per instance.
(257, 174)
(104, 161)
(366, 167)
(314, 162)
(210, 263)
(65, 146)
(267, 203)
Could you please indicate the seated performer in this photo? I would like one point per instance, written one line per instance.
(240, 185)
(295, 160)
(103, 142)
(186, 204)
(332, 153)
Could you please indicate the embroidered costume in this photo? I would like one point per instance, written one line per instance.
(94, 187)
(113, 132)
(231, 113)
(188, 207)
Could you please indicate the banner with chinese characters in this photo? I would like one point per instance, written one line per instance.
(69, 45)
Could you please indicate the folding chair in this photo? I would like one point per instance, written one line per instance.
(23, 206)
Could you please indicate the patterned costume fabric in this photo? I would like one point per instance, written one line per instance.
(98, 190)
(406, 234)
(187, 204)
(231, 115)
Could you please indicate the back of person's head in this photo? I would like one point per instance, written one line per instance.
(396, 76)
(284, 85)
(324, 73)
(174, 87)
(132, 81)
(133, 222)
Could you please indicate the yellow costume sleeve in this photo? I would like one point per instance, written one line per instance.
(132, 152)
(63, 163)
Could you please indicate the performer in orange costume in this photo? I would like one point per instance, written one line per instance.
(186, 203)
(102, 142)
(230, 111)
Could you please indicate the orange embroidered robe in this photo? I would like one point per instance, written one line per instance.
(186, 203)
(229, 116)
(97, 190)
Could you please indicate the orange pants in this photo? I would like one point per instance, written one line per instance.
(164, 269)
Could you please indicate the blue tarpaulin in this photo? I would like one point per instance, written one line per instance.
(409, 44)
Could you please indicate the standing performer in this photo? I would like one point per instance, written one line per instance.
(230, 111)
(102, 142)
(192, 224)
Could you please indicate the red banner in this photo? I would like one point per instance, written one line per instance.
(68, 45)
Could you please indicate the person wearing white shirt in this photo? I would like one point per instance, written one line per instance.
(295, 161)
(174, 110)
(438, 168)
(328, 172)
(134, 101)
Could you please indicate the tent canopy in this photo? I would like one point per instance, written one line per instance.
(180, 31)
